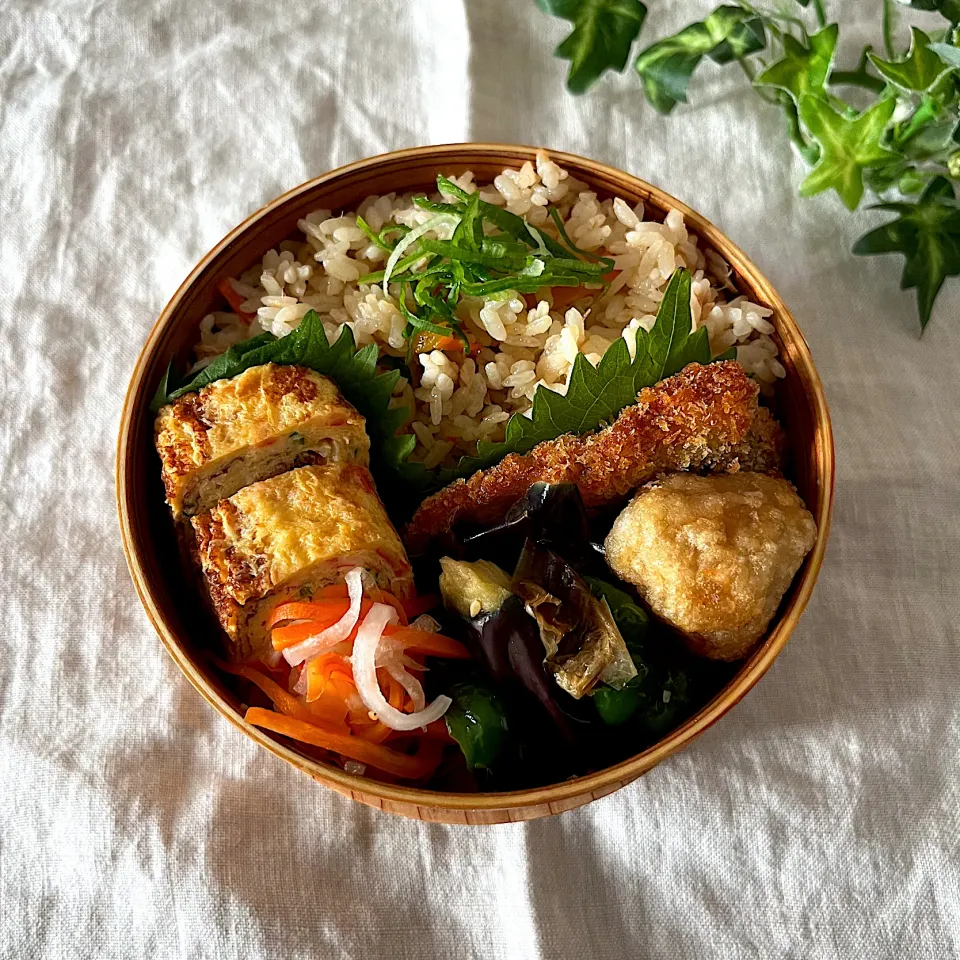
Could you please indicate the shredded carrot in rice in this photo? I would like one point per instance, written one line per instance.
(234, 299)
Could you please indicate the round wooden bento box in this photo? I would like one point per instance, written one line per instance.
(148, 538)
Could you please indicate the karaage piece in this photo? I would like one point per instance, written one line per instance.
(713, 556)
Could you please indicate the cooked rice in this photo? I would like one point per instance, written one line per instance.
(525, 343)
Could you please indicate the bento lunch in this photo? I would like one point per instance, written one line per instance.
(484, 487)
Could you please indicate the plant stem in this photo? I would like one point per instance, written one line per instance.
(820, 12)
(747, 68)
(809, 151)
(770, 17)
(856, 78)
(888, 15)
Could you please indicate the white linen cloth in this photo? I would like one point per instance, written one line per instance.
(819, 819)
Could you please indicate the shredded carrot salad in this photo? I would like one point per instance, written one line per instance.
(321, 705)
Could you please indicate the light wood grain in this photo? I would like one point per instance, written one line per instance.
(147, 533)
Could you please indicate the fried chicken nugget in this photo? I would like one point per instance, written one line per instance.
(713, 556)
(702, 418)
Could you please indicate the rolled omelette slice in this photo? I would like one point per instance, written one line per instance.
(284, 538)
(256, 425)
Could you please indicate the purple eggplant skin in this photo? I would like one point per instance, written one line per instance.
(552, 514)
(508, 641)
(493, 640)
(525, 652)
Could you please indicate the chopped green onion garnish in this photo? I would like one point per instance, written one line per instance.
(401, 269)
(453, 251)
(555, 217)
(371, 236)
(440, 220)
(490, 251)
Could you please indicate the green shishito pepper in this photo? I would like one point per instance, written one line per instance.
(657, 695)
(478, 722)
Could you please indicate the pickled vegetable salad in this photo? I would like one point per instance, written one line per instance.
(345, 678)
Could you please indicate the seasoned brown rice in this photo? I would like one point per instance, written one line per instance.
(524, 345)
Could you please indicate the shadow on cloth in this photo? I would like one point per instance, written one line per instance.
(156, 781)
(578, 898)
(500, 40)
(378, 870)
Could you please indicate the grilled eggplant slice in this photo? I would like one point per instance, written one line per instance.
(507, 638)
(582, 643)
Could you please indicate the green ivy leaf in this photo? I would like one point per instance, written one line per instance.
(913, 181)
(603, 32)
(927, 233)
(665, 68)
(928, 132)
(803, 69)
(847, 147)
(948, 53)
(948, 8)
(595, 395)
(918, 71)
(885, 177)
(738, 37)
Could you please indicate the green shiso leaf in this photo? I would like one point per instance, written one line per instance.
(163, 389)
(603, 32)
(237, 359)
(847, 147)
(666, 67)
(595, 395)
(927, 233)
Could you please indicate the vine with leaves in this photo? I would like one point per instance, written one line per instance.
(901, 144)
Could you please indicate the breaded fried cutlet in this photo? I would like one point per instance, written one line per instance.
(702, 418)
